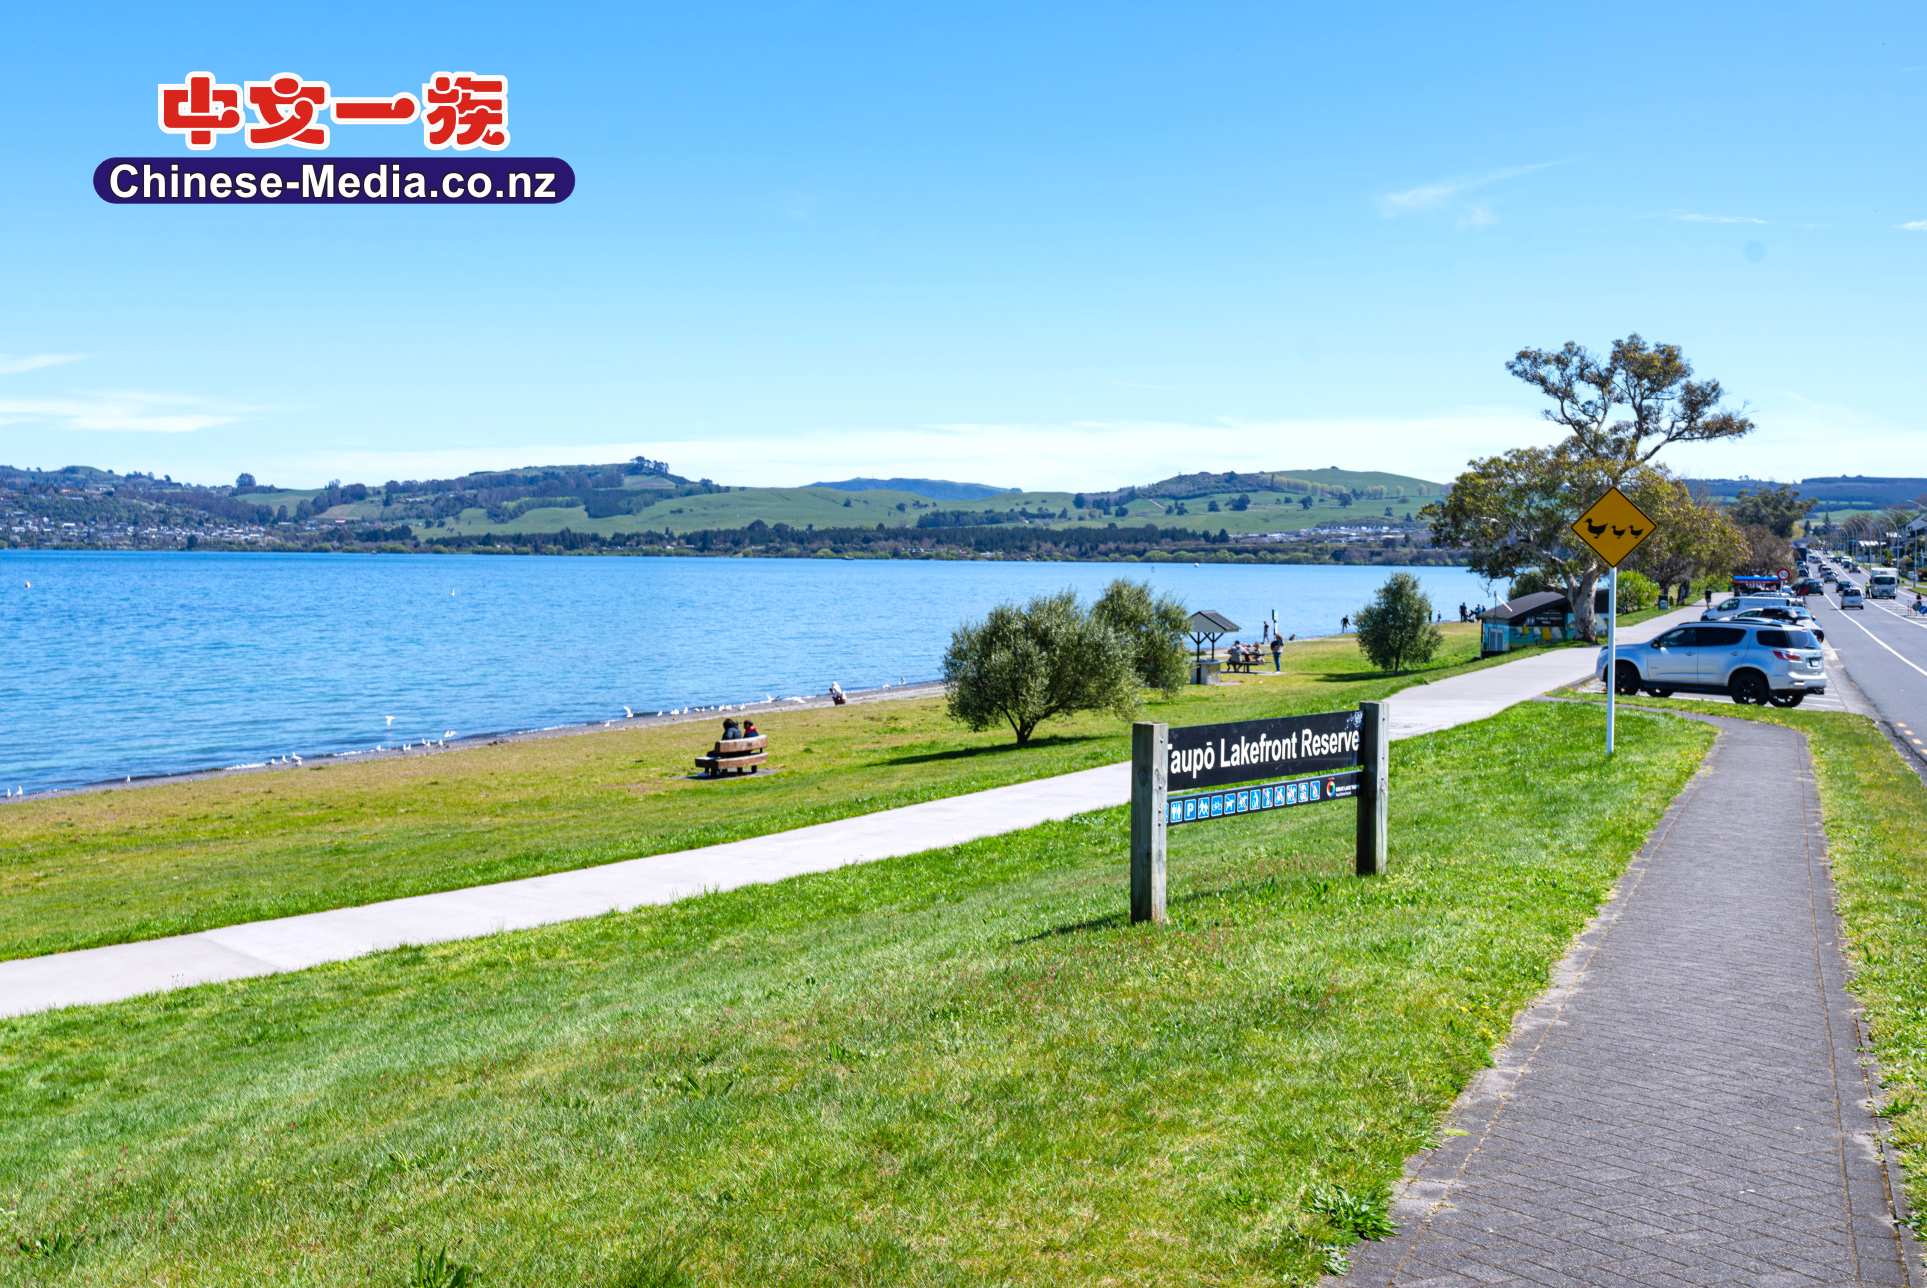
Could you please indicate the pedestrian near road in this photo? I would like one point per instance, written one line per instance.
(1709, 596)
(1278, 650)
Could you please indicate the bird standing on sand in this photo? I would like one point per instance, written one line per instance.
(629, 713)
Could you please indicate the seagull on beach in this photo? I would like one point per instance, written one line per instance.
(629, 713)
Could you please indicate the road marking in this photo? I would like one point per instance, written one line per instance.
(1884, 644)
(1911, 618)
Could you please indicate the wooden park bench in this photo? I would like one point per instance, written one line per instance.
(735, 756)
(1243, 664)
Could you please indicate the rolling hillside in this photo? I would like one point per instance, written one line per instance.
(645, 497)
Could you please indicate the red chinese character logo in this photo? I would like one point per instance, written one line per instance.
(200, 109)
(463, 110)
(287, 110)
(397, 110)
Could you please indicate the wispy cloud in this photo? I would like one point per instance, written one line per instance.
(122, 411)
(1697, 217)
(1448, 192)
(14, 364)
(1913, 226)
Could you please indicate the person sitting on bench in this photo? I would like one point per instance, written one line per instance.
(731, 730)
(749, 728)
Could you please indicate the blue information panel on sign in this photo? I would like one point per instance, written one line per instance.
(1246, 800)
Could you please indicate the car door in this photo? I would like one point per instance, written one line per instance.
(1672, 658)
(1718, 650)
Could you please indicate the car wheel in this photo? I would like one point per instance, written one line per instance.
(1749, 689)
(1788, 699)
(1626, 679)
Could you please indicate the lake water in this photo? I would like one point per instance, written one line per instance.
(115, 664)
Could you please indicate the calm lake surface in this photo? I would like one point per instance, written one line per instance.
(115, 664)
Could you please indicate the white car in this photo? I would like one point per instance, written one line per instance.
(1752, 662)
(1737, 604)
(1850, 597)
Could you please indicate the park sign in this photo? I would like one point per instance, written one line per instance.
(1614, 527)
(1211, 755)
(1226, 770)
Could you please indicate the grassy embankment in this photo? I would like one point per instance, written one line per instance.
(1873, 802)
(109, 867)
(955, 1067)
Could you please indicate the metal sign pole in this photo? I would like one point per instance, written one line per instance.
(1612, 656)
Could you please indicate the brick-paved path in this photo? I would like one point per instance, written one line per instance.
(1686, 1106)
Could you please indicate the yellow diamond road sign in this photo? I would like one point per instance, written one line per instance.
(1613, 527)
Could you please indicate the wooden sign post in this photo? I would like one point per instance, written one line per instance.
(1348, 754)
(1147, 820)
(1374, 778)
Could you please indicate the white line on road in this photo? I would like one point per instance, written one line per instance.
(1884, 644)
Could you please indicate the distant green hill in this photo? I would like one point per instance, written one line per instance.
(640, 496)
(931, 489)
(1859, 491)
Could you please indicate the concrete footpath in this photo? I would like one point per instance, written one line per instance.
(1688, 1103)
(292, 943)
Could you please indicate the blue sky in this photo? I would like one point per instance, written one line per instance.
(1060, 245)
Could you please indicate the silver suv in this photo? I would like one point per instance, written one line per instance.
(1752, 662)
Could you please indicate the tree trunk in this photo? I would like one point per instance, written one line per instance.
(1582, 597)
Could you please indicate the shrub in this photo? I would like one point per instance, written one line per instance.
(1395, 630)
(1637, 591)
(1152, 626)
(1024, 664)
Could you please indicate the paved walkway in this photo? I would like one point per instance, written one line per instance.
(293, 943)
(1687, 1104)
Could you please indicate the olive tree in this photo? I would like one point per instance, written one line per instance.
(1024, 664)
(1396, 629)
(1152, 626)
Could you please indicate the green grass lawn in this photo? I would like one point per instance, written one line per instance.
(959, 1067)
(108, 867)
(1874, 804)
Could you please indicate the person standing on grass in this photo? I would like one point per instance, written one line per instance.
(1277, 651)
(1344, 624)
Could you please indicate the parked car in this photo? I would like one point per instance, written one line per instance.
(1808, 586)
(1734, 605)
(1850, 597)
(1752, 662)
(1799, 617)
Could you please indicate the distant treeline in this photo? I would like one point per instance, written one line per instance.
(990, 541)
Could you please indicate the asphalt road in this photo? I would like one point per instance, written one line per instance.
(1883, 647)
